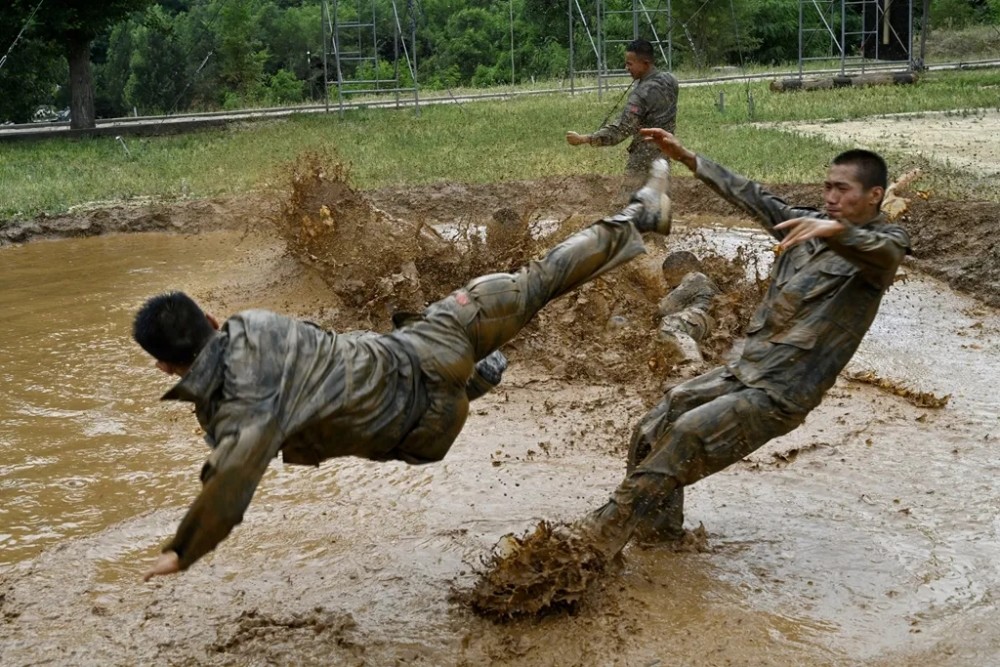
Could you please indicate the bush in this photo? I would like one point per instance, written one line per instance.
(283, 88)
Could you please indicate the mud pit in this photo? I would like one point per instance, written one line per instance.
(868, 536)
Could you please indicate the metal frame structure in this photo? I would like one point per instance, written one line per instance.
(352, 48)
(611, 24)
(862, 34)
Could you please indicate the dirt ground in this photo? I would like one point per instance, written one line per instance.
(849, 542)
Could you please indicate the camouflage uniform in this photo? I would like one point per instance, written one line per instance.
(653, 103)
(268, 383)
(823, 296)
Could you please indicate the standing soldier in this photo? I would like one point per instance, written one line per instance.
(653, 103)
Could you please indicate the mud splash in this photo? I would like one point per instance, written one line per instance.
(379, 264)
(547, 570)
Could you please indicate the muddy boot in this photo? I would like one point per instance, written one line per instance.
(486, 376)
(608, 529)
(611, 526)
(664, 523)
(649, 208)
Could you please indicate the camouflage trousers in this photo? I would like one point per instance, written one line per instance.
(637, 165)
(700, 427)
(454, 333)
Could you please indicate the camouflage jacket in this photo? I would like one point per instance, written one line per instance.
(653, 103)
(823, 296)
(269, 383)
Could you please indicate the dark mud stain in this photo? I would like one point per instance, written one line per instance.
(257, 634)
(921, 399)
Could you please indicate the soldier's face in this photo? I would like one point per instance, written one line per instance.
(846, 198)
(635, 65)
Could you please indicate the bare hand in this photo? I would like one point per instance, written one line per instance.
(670, 146)
(803, 229)
(166, 563)
(575, 139)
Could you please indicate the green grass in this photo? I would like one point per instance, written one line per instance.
(474, 142)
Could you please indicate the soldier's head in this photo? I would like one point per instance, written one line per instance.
(638, 58)
(855, 185)
(173, 329)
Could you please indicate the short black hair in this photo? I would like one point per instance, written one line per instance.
(172, 328)
(641, 48)
(871, 168)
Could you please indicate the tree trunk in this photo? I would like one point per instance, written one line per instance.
(81, 85)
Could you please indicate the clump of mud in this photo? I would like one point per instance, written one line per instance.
(742, 283)
(548, 569)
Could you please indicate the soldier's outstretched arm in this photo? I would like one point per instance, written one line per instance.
(626, 126)
(250, 439)
(670, 146)
(749, 196)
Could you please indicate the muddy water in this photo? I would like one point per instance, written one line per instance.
(84, 442)
(868, 536)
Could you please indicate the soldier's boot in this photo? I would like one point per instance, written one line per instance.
(663, 524)
(487, 375)
(610, 527)
(649, 209)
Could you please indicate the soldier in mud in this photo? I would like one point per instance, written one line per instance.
(826, 287)
(262, 383)
(653, 103)
(684, 311)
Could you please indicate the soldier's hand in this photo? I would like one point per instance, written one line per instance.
(166, 563)
(802, 229)
(575, 139)
(670, 146)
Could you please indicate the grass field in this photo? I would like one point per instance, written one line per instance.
(473, 142)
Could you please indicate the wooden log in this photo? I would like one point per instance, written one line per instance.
(855, 80)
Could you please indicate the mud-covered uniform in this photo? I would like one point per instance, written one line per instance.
(267, 383)
(823, 296)
(653, 103)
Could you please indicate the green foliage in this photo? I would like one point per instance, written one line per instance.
(283, 88)
(524, 138)
(210, 54)
(963, 13)
(32, 76)
(241, 51)
(70, 26)
(157, 65)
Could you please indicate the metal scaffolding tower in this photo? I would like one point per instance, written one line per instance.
(370, 54)
(610, 25)
(857, 35)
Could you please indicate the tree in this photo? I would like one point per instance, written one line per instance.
(156, 77)
(31, 75)
(241, 52)
(72, 25)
